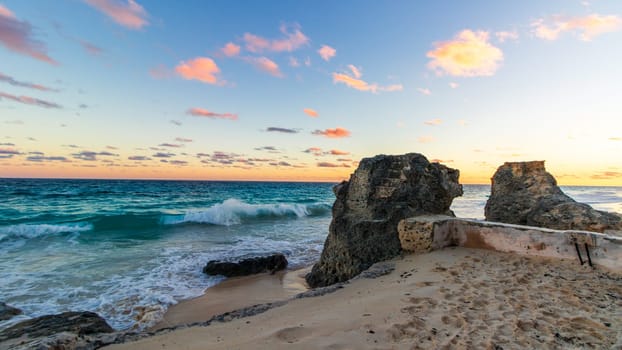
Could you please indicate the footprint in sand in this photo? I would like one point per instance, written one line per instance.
(292, 334)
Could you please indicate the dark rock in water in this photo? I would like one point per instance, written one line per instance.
(79, 323)
(524, 193)
(272, 263)
(382, 191)
(7, 311)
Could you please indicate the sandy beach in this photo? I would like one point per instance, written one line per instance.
(451, 298)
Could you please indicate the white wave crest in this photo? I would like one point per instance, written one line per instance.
(233, 212)
(26, 231)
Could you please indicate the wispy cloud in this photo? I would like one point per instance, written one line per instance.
(265, 64)
(17, 36)
(588, 26)
(230, 49)
(160, 72)
(92, 156)
(170, 145)
(615, 139)
(433, 122)
(9, 80)
(6, 153)
(454, 85)
(336, 152)
(40, 159)
(327, 52)
(310, 112)
(504, 36)
(282, 130)
(91, 48)
(332, 165)
(178, 162)
(333, 133)
(424, 91)
(163, 155)
(200, 112)
(175, 122)
(127, 13)
(469, 54)
(316, 151)
(29, 100)
(138, 158)
(293, 62)
(182, 139)
(607, 175)
(203, 69)
(290, 41)
(356, 72)
(354, 82)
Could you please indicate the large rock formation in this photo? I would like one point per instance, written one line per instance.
(250, 266)
(524, 193)
(381, 192)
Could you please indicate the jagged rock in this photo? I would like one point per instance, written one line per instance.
(61, 331)
(524, 193)
(7, 311)
(382, 191)
(272, 263)
(81, 323)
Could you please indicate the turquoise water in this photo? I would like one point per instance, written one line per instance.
(129, 249)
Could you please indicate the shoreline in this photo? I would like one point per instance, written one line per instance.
(235, 293)
(454, 297)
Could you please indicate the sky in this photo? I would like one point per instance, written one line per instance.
(302, 90)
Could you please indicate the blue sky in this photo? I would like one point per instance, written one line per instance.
(146, 89)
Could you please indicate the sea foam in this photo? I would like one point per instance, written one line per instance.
(27, 231)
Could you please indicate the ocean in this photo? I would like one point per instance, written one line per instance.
(129, 249)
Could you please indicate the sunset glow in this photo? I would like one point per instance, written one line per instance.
(301, 91)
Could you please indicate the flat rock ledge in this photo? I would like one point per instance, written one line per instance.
(423, 234)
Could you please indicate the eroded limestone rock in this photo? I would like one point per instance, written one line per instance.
(382, 191)
(524, 193)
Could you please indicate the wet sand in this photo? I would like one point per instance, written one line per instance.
(456, 298)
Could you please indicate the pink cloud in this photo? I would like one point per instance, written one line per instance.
(200, 112)
(231, 49)
(90, 48)
(127, 13)
(327, 52)
(361, 85)
(291, 41)
(588, 26)
(333, 133)
(29, 100)
(201, 68)
(310, 112)
(316, 151)
(264, 64)
(17, 36)
(454, 85)
(356, 72)
(469, 54)
(336, 152)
